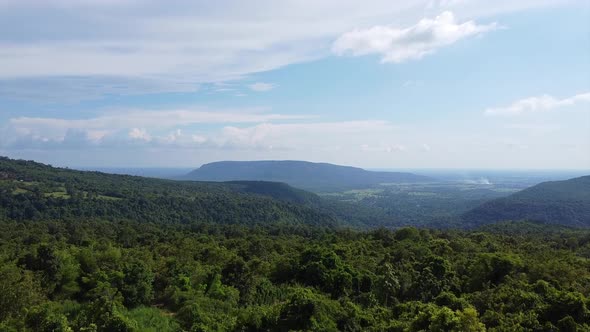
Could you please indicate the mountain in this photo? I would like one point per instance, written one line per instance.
(301, 174)
(556, 202)
(34, 191)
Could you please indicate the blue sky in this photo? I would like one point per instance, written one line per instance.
(377, 84)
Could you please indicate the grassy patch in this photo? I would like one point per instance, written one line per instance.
(25, 183)
(58, 194)
(19, 191)
(110, 198)
(153, 320)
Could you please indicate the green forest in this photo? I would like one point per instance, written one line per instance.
(132, 276)
(87, 251)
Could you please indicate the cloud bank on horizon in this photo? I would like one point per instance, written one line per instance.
(382, 84)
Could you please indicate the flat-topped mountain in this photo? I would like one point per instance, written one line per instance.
(300, 174)
(556, 202)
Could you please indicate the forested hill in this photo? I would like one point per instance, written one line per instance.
(557, 202)
(300, 174)
(34, 191)
(88, 251)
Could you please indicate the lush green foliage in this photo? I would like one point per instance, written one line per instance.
(86, 251)
(128, 276)
(33, 191)
(563, 202)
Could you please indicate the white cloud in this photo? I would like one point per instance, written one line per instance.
(537, 104)
(261, 87)
(85, 49)
(389, 148)
(534, 128)
(140, 134)
(301, 135)
(399, 45)
(306, 139)
(199, 139)
(124, 126)
(76, 88)
(121, 130)
(161, 119)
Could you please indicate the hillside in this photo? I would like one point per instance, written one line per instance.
(556, 202)
(301, 174)
(88, 251)
(33, 191)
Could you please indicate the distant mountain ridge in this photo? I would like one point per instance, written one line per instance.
(34, 191)
(301, 174)
(556, 202)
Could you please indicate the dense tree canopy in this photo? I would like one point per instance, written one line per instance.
(33, 191)
(131, 276)
(86, 251)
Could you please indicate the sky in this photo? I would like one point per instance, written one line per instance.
(375, 84)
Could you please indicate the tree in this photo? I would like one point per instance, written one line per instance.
(137, 288)
(18, 291)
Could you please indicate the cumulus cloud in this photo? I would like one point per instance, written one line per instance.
(123, 127)
(402, 44)
(389, 148)
(261, 87)
(56, 128)
(221, 129)
(139, 134)
(537, 104)
(131, 124)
